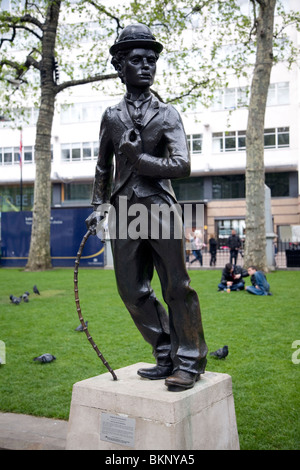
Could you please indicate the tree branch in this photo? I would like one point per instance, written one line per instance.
(32, 5)
(101, 9)
(8, 39)
(253, 30)
(16, 20)
(190, 91)
(30, 61)
(25, 28)
(157, 95)
(20, 69)
(84, 81)
(14, 65)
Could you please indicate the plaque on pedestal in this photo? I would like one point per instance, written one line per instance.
(138, 414)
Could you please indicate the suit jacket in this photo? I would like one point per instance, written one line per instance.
(165, 153)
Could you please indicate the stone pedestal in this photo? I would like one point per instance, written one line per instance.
(138, 414)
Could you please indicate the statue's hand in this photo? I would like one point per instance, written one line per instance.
(131, 145)
(93, 222)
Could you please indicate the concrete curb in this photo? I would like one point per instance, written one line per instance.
(24, 432)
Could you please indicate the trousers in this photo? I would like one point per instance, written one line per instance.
(175, 332)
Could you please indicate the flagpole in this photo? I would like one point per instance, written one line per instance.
(21, 171)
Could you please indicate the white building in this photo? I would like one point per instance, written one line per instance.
(217, 153)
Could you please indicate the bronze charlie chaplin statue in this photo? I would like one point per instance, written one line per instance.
(148, 141)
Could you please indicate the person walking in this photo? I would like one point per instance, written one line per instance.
(234, 244)
(197, 245)
(212, 250)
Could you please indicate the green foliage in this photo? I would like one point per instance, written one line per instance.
(258, 330)
(208, 39)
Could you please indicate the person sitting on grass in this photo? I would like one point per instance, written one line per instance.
(260, 285)
(232, 278)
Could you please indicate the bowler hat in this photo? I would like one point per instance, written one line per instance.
(136, 35)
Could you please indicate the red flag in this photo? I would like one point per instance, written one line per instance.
(21, 149)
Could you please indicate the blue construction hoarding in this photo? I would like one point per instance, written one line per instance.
(67, 230)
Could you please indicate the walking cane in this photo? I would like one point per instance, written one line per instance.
(85, 329)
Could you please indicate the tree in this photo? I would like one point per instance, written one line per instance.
(41, 24)
(266, 32)
(255, 253)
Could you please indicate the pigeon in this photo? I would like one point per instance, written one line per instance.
(80, 327)
(15, 300)
(220, 353)
(25, 297)
(45, 358)
(35, 290)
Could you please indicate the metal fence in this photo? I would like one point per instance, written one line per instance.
(286, 255)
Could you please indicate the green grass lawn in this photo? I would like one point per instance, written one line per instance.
(258, 330)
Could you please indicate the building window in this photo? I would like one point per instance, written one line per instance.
(235, 141)
(189, 189)
(228, 187)
(65, 152)
(231, 98)
(86, 151)
(279, 184)
(16, 155)
(28, 154)
(195, 143)
(224, 228)
(25, 117)
(78, 193)
(9, 155)
(76, 152)
(80, 112)
(229, 141)
(277, 137)
(279, 93)
(10, 198)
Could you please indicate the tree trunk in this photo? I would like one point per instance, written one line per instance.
(39, 253)
(255, 245)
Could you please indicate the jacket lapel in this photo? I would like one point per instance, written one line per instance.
(124, 116)
(152, 110)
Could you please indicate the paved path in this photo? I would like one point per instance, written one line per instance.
(23, 432)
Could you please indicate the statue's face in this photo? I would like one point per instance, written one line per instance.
(139, 68)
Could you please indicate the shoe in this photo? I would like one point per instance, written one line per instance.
(155, 373)
(181, 380)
